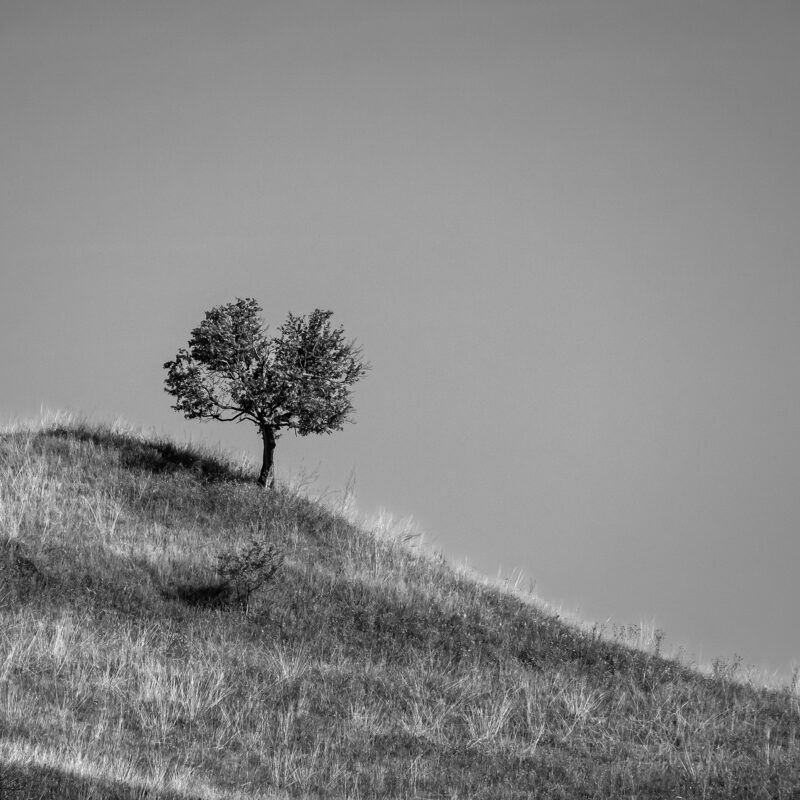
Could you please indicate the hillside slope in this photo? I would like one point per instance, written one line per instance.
(363, 669)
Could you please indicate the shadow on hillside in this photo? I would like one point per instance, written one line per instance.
(208, 595)
(20, 576)
(35, 782)
(153, 456)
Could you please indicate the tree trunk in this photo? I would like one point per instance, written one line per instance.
(267, 477)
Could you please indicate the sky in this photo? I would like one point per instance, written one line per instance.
(565, 233)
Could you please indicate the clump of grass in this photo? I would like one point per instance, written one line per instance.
(375, 669)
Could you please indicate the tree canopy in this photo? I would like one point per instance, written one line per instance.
(298, 380)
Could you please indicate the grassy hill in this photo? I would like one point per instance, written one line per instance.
(130, 667)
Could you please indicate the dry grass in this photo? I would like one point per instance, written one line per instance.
(365, 668)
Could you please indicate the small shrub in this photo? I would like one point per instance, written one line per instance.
(249, 567)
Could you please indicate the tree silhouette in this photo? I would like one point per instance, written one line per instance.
(298, 380)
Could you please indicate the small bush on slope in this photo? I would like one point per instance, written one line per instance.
(368, 669)
(249, 568)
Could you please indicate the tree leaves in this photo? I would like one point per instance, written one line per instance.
(298, 380)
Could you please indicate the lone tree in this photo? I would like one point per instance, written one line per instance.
(298, 380)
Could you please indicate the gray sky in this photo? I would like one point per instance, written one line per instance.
(565, 233)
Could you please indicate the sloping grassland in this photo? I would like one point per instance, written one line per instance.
(365, 668)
